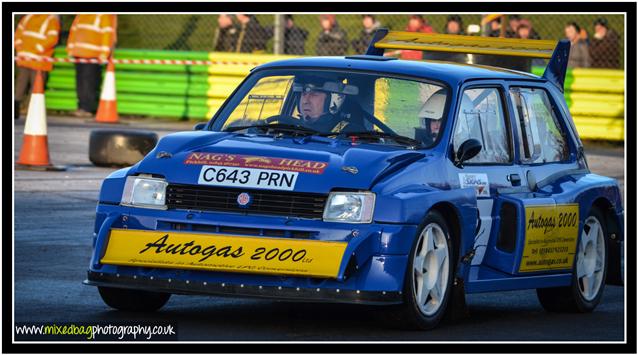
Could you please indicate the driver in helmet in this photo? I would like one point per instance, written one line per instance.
(321, 101)
(431, 115)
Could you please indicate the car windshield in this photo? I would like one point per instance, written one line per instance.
(338, 104)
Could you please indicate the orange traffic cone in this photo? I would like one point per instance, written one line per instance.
(34, 154)
(107, 110)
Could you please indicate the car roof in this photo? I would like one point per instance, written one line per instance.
(451, 73)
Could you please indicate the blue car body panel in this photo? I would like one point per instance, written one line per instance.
(408, 184)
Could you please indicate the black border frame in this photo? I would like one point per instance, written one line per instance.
(630, 203)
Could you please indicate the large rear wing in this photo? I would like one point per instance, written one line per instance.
(557, 53)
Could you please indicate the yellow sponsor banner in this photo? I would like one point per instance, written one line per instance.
(551, 232)
(216, 252)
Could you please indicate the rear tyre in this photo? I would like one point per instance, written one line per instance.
(428, 280)
(113, 147)
(133, 300)
(589, 275)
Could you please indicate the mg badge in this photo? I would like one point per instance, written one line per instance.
(244, 200)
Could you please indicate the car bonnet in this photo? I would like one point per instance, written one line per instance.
(322, 164)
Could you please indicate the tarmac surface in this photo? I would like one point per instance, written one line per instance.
(54, 216)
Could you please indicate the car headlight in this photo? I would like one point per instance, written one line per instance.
(349, 207)
(145, 192)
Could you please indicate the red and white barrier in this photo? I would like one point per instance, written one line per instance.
(138, 61)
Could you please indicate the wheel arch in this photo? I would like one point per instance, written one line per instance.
(614, 231)
(461, 215)
(451, 216)
(609, 211)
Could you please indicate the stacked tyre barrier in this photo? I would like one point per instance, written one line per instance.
(596, 100)
(183, 91)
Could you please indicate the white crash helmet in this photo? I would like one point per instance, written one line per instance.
(433, 108)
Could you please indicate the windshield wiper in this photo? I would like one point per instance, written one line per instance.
(403, 140)
(282, 127)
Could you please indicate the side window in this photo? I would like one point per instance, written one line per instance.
(541, 137)
(413, 109)
(481, 117)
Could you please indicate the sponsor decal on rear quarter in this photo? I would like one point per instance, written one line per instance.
(550, 237)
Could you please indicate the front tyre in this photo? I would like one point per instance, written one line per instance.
(590, 271)
(133, 300)
(429, 277)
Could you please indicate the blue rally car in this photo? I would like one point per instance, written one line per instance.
(371, 180)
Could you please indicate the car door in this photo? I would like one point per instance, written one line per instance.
(482, 115)
(544, 147)
(537, 226)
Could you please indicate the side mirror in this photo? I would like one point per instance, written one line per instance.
(468, 150)
(199, 126)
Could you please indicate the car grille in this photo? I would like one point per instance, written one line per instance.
(206, 198)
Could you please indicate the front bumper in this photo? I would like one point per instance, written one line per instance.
(372, 269)
(181, 286)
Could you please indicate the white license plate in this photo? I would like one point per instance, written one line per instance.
(247, 177)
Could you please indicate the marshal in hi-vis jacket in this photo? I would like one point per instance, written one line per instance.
(92, 36)
(35, 38)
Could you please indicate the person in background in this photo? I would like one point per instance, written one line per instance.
(533, 35)
(604, 50)
(225, 34)
(252, 36)
(370, 25)
(523, 31)
(578, 52)
(294, 37)
(491, 27)
(530, 28)
(416, 23)
(513, 23)
(521, 63)
(90, 37)
(35, 38)
(494, 27)
(332, 40)
(453, 26)
(584, 36)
